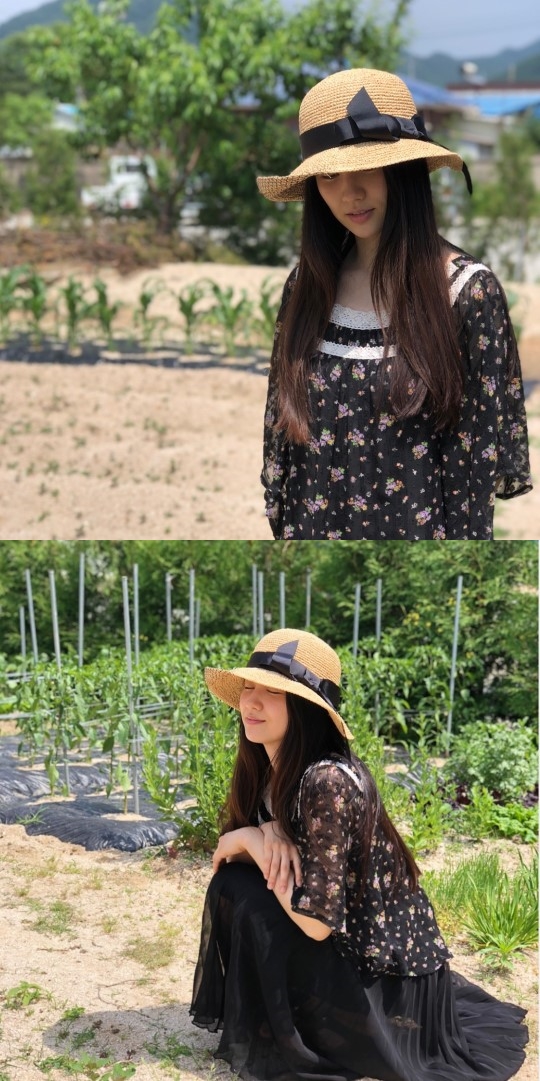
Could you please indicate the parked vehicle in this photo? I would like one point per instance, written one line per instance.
(126, 186)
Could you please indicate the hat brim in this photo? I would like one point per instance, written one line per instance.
(352, 158)
(227, 684)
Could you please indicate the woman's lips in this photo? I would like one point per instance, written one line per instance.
(253, 720)
(360, 215)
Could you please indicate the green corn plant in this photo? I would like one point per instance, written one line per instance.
(149, 324)
(265, 323)
(9, 299)
(77, 309)
(104, 311)
(34, 303)
(187, 301)
(231, 316)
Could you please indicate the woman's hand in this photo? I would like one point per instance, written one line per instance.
(233, 845)
(279, 855)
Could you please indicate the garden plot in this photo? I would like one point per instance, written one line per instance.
(110, 444)
(109, 943)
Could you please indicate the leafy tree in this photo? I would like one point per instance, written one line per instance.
(504, 215)
(24, 118)
(50, 183)
(182, 100)
(14, 78)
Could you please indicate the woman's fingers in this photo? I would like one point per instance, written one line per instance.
(296, 866)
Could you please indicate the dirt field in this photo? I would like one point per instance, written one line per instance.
(111, 940)
(139, 449)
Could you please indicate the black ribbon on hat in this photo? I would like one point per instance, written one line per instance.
(364, 123)
(283, 661)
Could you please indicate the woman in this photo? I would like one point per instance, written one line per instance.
(395, 403)
(320, 955)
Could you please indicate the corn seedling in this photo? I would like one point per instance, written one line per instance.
(265, 322)
(149, 324)
(104, 311)
(187, 301)
(231, 316)
(77, 309)
(33, 303)
(9, 298)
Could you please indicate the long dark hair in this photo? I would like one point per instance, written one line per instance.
(408, 280)
(311, 736)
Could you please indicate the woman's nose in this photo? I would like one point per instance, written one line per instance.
(254, 697)
(353, 185)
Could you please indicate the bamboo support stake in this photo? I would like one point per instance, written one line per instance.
(31, 615)
(255, 623)
(168, 605)
(80, 642)
(260, 594)
(133, 727)
(191, 617)
(136, 630)
(56, 639)
(356, 620)
(308, 598)
(453, 667)
(282, 621)
(22, 632)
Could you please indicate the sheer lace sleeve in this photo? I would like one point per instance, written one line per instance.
(275, 452)
(330, 801)
(488, 454)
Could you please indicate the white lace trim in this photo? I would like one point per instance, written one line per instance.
(355, 352)
(463, 277)
(355, 319)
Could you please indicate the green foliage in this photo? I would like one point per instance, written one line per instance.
(103, 310)
(89, 1067)
(409, 669)
(50, 183)
(498, 912)
(149, 324)
(23, 995)
(429, 815)
(509, 206)
(503, 915)
(482, 817)
(231, 315)
(182, 99)
(10, 200)
(25, 119)
(34, 302)
(500, 756)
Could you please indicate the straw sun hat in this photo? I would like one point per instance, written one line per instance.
(358, 119)
(287, 660)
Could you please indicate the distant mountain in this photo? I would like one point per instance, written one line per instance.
(441, 69)
(141, 13)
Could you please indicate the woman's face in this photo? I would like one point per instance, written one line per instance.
(358, 201)
(264, 716)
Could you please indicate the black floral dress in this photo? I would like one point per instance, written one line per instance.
(367, 475)
(376, 999)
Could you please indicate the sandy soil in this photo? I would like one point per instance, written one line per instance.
(116, 936)
(160, 444)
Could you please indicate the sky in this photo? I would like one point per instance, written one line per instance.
(462, 28)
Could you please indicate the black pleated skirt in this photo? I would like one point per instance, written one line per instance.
(289, 1007)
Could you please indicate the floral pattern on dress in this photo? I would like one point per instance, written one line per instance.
(380, 929)
(447, 480)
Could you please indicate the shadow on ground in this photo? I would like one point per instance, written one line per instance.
(164, 1033)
